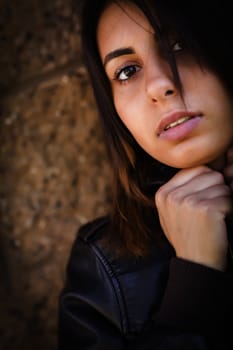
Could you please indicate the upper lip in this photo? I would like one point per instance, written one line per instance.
(174, 116)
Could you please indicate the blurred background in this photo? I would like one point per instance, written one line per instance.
(53, 167)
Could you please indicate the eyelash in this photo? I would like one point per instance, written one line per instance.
(132, 70)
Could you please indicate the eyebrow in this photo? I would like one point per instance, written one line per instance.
(116, 53)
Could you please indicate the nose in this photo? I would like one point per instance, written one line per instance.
(160, 84)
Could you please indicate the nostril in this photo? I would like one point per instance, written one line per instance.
(157, 93)
(169, 92)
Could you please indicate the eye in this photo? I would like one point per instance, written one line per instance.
(126, 73)
(177, 46)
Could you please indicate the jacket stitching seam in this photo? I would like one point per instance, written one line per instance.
(116, 287)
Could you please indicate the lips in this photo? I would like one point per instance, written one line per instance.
(174, 119)
(177, 122)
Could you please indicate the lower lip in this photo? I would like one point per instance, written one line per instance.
(180, 131)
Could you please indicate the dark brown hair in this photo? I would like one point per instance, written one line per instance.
(206, 32)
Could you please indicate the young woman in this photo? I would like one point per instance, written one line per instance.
(157, 272)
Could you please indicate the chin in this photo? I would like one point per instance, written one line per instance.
(184, 164)
(191, 159)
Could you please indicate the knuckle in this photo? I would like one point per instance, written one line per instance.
(204, 168)
(205, 206)
(174, 196)
(159, 195)
(191, 200)
(219, 178)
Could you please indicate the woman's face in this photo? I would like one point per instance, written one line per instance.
(182, 132)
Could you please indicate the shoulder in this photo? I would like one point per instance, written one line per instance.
(91, 231)
(87, 245)
(86, 256)
(101, 278)
(90, 279)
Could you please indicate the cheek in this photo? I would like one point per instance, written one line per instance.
(129, 103)
(125, 112)
(224, 120)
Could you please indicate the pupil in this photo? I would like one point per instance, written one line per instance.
(129, 71)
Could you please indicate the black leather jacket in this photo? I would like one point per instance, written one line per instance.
(159, 302)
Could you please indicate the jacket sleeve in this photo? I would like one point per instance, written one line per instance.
(196, 297)
(196, 302)
(87, 309)
(195, 312)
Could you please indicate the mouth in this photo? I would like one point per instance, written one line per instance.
(178, 125)
(177, 122)
(175, 119)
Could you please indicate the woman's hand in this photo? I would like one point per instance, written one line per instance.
(192, 208)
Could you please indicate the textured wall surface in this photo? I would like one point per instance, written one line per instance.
(53, 167)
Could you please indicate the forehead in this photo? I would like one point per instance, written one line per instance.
(119, 23)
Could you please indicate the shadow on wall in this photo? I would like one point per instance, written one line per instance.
(53, 167)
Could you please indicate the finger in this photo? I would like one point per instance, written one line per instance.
(223, 204)
(216, 199)
(185, 175)
(214, 192)
(174, 193)
(179, 180)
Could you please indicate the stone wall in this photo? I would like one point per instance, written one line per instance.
(53, 167)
